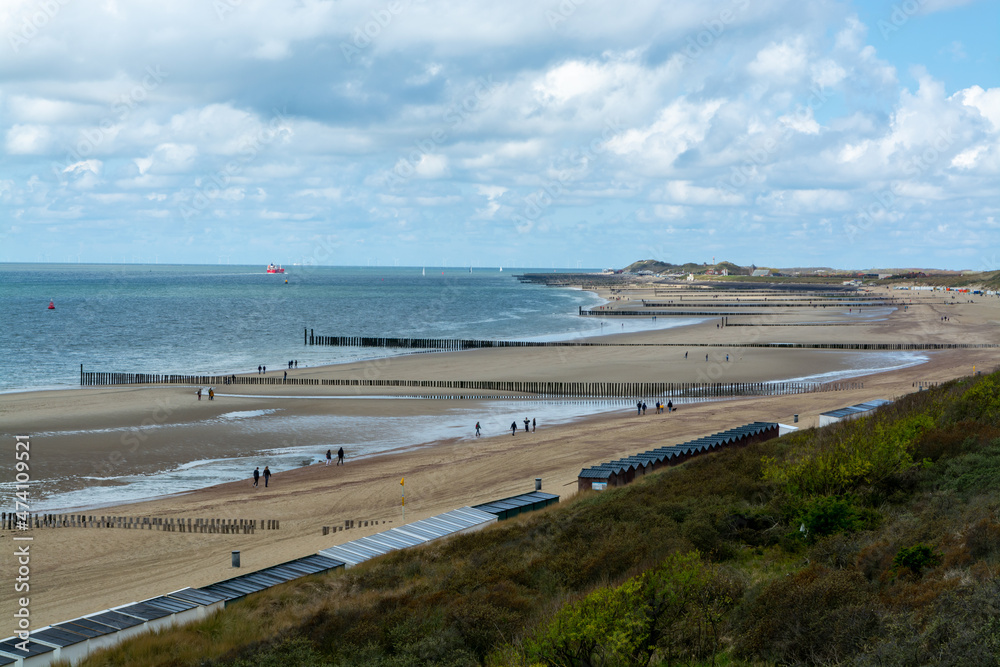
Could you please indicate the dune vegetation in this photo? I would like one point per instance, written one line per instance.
(870, 542)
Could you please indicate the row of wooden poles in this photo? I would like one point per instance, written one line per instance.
(537, 388)
(14, 521)
(769, 304)
(351, 523)
(471, 344)
(611, 312)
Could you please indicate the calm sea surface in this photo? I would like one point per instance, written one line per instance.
(229, 319)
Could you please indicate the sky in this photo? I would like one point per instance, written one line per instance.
(538, 133)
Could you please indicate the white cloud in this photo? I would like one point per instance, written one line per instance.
(431, 166)
(801, 120)
(684, 192)
(28, 140)
(92, 166)
(780, 61)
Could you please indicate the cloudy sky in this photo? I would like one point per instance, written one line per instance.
(519, 133)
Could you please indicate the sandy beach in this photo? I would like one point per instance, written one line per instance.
(89, 436)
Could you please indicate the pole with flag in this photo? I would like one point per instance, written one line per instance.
(402, 497)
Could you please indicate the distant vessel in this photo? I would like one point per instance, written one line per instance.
(501, 269)
(423, 271)
(271, 268)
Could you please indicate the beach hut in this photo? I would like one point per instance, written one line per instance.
(26, 654)
(235, 588)
(622, 471)
(507, 508)
(851, 411)
(70, 645)
(207, 603)
(455, 522)
(99, 635)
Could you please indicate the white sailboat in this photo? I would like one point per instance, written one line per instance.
(423, 271)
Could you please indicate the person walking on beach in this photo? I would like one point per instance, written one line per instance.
(340, 456)
(285, 379)
(256, 475)
(670, 406)
(265, 369)
(638, 408)
(477, 429)
(258, 369)
(329, 457)
(685, 355)
(644, 407)
(534, 425)
(513, 428)
(199, 393)
(211, 394)
(267, 475)
(527, 423)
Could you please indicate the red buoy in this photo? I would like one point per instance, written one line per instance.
(52, 305)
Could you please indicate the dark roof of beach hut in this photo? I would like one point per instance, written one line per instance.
(506, 508)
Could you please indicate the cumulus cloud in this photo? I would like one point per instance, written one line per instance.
(507, 121)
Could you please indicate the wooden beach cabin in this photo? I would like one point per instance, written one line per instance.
(622, 471)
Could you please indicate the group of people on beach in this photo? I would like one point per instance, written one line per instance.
(257, 475)
(529, 425)
(211, 393)
(640, 407)
(340, 456)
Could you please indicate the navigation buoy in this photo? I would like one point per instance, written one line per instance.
(286, 281)
(52, 305)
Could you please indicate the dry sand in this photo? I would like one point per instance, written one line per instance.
(81, 570)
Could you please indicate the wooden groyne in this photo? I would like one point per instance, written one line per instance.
(770, 304)
(542, 389)
(453, 344)
(22, 521)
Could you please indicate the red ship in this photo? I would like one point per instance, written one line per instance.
(271, 268)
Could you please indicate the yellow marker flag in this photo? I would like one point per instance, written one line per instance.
(401, 479)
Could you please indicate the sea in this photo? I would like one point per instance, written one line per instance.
(140, 318)
(230, 319)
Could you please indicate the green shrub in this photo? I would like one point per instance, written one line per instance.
(672, 612)
(916, 558)
(828, 515)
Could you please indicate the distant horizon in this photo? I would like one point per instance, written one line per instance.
(483, 267)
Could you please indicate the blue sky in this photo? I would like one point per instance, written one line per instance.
(569, 133)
